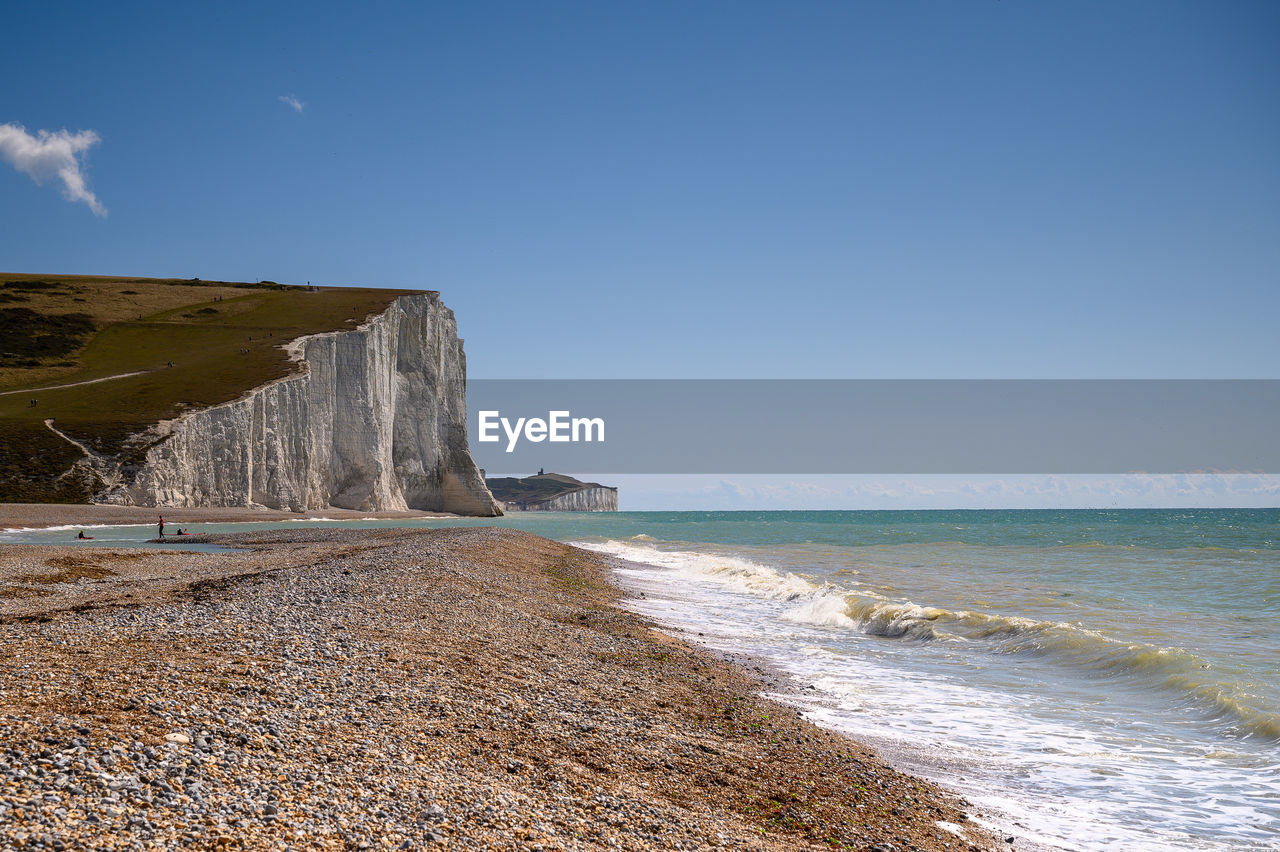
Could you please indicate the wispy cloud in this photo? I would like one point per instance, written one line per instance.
(292, 101)
(46, 155)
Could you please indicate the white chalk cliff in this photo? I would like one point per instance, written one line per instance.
(375, 419)
(593, 498)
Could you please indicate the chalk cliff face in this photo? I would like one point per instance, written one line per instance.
(375, 420)
(592, 499)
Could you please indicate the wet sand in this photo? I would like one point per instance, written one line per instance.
(340, 689)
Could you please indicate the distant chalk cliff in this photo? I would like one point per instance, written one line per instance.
(374, 420)
(553, 492)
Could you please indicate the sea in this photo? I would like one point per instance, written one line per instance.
(1087, 679)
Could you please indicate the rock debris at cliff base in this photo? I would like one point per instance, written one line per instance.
(341, 689)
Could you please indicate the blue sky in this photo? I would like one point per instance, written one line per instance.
(991, 189)
(745, 190)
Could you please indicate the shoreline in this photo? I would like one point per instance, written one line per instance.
(475, 687)
(783, 687)
(44, 515)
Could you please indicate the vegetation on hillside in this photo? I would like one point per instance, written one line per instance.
(28, 338)
(106, 358)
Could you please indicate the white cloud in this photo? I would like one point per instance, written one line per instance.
(292, 101)
(46, 155)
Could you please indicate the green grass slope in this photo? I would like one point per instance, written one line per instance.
(190, 344)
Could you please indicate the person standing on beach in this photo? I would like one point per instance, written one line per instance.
(162, 526)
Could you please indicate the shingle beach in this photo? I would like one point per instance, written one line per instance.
(403, 689)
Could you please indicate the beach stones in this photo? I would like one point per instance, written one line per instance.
(442, 693)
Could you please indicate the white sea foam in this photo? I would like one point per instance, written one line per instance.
(731, 571)
(825, 610)
(1054, 766)
(1061, 643)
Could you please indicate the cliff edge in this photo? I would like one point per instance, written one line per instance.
(375, 419)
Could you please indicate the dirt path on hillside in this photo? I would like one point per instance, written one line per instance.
(75, 384)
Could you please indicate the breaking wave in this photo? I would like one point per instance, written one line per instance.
(1176, 671)
(1173, 670)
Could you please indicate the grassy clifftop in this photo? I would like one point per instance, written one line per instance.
(108, 357)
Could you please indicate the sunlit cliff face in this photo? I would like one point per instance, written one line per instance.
(376, 420)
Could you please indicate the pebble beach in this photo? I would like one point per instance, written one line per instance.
(470, 688)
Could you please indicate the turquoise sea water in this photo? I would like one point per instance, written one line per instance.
(1088, 678)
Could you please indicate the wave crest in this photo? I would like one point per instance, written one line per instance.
(1176, 671)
